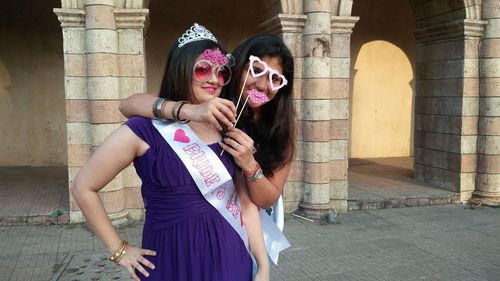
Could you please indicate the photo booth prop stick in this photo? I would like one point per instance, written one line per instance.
(258, 68)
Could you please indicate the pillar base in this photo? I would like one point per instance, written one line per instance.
(491, 199)
(314, 211)
(119, 217)
(116, 218)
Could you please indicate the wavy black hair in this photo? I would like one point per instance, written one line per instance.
(274, 132)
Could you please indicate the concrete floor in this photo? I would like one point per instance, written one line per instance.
(31, 195)
(388, 182)
(445, 243)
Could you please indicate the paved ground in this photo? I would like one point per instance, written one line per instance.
(39, 195)
(427, 243)
(33, 195)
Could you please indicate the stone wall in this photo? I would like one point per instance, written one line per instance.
(32, 107)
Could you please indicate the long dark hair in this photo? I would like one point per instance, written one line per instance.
(176, 81)
(274, 132)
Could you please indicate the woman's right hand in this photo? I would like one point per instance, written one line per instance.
(134, 260)
(261, 275)
(215, 111)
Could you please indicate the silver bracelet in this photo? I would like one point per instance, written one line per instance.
(256, 176)
(157, 105)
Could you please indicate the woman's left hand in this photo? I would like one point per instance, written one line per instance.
(240, 146)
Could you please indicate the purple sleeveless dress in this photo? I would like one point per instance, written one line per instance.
(192, 240)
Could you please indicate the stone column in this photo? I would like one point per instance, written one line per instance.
(446, 105)
(131, 25)
(290, 28)
(315, 110)
(72, 18)
(103, 87)
(487, 188)
(342, 27)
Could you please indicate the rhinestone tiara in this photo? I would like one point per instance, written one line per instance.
(195, 33)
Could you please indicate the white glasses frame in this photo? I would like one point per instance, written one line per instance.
(269, 69)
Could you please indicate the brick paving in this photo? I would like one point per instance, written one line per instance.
(380, 183)
(452, 242)
(32, 195)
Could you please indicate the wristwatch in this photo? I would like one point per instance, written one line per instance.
(257, 176)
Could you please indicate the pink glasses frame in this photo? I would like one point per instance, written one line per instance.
(214, 69)
(267, 69)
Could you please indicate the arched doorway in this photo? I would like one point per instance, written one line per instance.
(33, 161)
(382, 103)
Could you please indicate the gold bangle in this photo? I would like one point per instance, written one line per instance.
(119, 252)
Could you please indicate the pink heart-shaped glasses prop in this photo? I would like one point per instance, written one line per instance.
(258, 68)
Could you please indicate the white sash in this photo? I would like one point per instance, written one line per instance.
(216, 184)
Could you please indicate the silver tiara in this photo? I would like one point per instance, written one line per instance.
(195, 33)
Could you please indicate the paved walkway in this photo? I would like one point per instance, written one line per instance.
(39, 195)
(451, 242)
(380, 183)
(33, 195)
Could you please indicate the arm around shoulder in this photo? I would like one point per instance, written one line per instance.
(138, 105)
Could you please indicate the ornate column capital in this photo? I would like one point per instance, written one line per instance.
(284, 23)
(70, 17)
(466, 29)
(343, 24)
(131, 18)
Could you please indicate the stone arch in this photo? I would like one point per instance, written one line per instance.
(462, 9)
(136, 4)
(442, 11)
(472, 9)
(72, 4)
(291, 6)
(447, 32)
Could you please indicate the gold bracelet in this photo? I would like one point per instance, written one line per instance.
(119, 252)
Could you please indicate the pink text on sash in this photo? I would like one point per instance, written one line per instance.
(201, 163)
(232, 204)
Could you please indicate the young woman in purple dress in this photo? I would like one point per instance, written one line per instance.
(185, 237)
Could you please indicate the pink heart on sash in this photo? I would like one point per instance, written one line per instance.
(180, 136)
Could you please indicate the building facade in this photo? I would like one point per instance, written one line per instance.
(444, 54)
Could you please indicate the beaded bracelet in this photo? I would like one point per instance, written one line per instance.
(253, 171)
